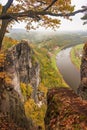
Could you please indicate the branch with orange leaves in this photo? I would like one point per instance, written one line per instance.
(33, 14)
(51, 4)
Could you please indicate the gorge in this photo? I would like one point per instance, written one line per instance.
(65, 110)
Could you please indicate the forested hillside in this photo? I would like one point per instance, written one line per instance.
(50, 39)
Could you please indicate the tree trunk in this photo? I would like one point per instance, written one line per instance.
(3, 31)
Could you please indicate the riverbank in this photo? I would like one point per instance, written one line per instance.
(69, 72)
(54, 64)
(75, 55)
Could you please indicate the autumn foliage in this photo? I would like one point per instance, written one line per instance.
(66, 111)
(32, 6)
(30, 11)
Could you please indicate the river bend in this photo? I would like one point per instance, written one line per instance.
(69, 72)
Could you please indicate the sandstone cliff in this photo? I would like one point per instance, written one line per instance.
(12, 107)
(19, 66)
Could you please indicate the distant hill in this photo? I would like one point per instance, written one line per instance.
(44, 37)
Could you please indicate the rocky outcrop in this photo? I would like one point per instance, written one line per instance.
(19, 66)
(82, 90)
(12, 107)
(65, 110)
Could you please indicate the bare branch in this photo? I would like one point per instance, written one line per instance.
(76, 12)
(52, 3)
(7, 6)
(85, 23)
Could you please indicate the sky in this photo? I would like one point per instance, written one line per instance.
(66, 25)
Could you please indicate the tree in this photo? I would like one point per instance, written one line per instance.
(40, 11)
(85, 15)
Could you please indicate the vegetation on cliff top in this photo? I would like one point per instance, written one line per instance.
(65, 111)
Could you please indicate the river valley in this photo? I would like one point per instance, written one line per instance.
(69, 72)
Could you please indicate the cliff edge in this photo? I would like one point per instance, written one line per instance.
(65, 110)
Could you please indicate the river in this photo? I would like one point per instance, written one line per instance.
(69, 72)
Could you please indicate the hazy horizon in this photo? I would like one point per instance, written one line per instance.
(45, 30)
